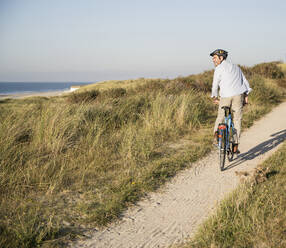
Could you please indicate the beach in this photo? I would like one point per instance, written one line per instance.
(33, 94)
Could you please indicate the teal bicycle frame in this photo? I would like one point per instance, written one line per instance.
(226, 137)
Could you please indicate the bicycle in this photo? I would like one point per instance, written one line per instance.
(226, 137)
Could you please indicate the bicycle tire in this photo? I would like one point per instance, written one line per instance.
(222, 150)
(230, 153)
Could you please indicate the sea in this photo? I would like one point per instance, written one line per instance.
(10, 88)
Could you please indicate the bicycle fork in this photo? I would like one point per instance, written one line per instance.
(222, 135)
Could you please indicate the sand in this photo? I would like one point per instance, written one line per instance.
(33, 94)
(173, 213)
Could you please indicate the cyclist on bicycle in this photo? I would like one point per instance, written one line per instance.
(233, 90)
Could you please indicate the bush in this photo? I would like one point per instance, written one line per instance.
(200, 83)
(85, 96)
(111, 94)
(115, 92)
(281, 82)
(262, 93)
(152, 86)
(248, 73)
(268, 70)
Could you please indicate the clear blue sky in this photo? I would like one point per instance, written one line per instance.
(92, 40)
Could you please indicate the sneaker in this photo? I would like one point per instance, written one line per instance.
(235, 149)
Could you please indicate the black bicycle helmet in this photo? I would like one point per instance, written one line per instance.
(220, 52)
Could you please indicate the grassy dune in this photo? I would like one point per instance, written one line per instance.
(67, 163)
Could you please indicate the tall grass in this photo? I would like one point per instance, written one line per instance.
(80, 160)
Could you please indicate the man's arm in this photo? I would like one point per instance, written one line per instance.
(215, 84)
(246, 83)
(248, 89)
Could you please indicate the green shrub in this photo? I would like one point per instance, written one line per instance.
(281, 82)
(268, 70)
(262, 93)
(112, 94)
(32, 228)
(85, 96)
(247, 71)
(200, 82)
(151, 86)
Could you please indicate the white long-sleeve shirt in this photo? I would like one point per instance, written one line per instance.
(230, 81)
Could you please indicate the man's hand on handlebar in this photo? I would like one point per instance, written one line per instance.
(245, 100)
(215, 100)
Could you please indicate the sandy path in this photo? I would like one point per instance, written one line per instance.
(174, 213)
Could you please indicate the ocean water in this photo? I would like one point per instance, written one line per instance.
(7, 88)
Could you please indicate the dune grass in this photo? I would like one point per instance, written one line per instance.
(254, 215)
(67, 163)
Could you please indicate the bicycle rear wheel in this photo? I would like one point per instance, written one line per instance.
(231, 144)
(222, 149)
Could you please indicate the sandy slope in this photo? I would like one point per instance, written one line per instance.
(173, 213)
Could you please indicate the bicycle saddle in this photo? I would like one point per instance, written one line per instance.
(225, 107)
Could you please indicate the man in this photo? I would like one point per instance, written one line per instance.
(233, 90)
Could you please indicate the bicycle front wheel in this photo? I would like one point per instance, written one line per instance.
(222, 149)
